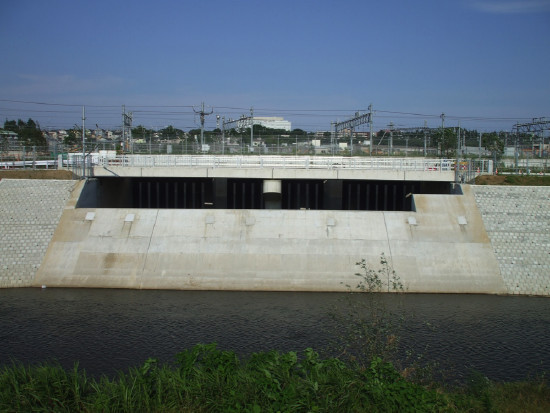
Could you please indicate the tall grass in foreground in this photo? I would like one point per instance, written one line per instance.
(206, 379)
(363, 378)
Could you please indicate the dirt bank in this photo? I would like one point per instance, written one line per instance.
(36, 174)
(520, 180)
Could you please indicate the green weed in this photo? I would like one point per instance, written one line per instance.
(368, 327)
(206, 379)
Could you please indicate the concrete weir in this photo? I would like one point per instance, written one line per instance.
(439, 246)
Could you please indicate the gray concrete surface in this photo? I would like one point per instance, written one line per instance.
(492, 239)
(276, 250)
(29, 214)
(271, 173)
(517, 220)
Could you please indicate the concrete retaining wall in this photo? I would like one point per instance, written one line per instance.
(29, 214)
(489, 240)
(517, 220)
(443, 248)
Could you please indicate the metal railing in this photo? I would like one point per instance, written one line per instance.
(57, 156)
(43, 164)
(279, 162)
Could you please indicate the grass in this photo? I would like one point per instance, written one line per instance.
(482, 395)
(528, 180)
(206, 379)
(520, 180)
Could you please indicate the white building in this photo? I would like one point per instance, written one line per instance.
(272, 122)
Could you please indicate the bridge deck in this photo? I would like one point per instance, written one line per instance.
(275, 167)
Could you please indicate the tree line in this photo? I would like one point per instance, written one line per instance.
(30, 134)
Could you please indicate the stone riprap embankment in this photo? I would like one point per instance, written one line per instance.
(517, 220)
(30, 210)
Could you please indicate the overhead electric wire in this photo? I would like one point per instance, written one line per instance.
(147, 114)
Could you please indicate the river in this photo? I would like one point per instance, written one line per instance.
(505, 338)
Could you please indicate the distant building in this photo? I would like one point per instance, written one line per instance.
(8, 134)
(98, 133)
(273, 122)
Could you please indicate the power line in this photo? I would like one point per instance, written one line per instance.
(181, 113)
(56, 104)
(37, 103)
(294, 112)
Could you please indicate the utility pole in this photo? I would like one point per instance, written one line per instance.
(480, 149)
(332, 137)
(357, 114)
(202, 114)
(252, 128)
(535, 126)
(123, 137)
(217, 121)
(425, 127)
(442, 130)
(370, 128)
(390, 149)
(223, 135)
(242, 123)
(83, 143)
(350, 124)
(457, 167)
(126, 128)
(516, 151)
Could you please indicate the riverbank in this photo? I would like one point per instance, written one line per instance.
(36, 174)
(206, 379)
(519, 180)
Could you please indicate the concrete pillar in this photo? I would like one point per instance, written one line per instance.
(272, 193)
(490, 167)
(220, 193)
(332, 192)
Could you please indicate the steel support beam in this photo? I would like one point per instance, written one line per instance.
(536, 125)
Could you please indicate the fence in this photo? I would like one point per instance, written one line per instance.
(466, 170)
(105, 154)
(273, 161)
(282, 146)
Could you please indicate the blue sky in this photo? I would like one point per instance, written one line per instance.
(312, 62)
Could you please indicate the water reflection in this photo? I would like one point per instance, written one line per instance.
(107, 330)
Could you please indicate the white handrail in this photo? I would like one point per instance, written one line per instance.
(278, 162)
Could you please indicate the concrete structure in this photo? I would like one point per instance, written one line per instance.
(273, 122)
(488, 240)
(29, 214)
(276, 167)
(442, 247)
(517, 220)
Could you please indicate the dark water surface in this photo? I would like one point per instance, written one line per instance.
(506, 338)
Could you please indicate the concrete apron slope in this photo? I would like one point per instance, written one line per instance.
(272, 250)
